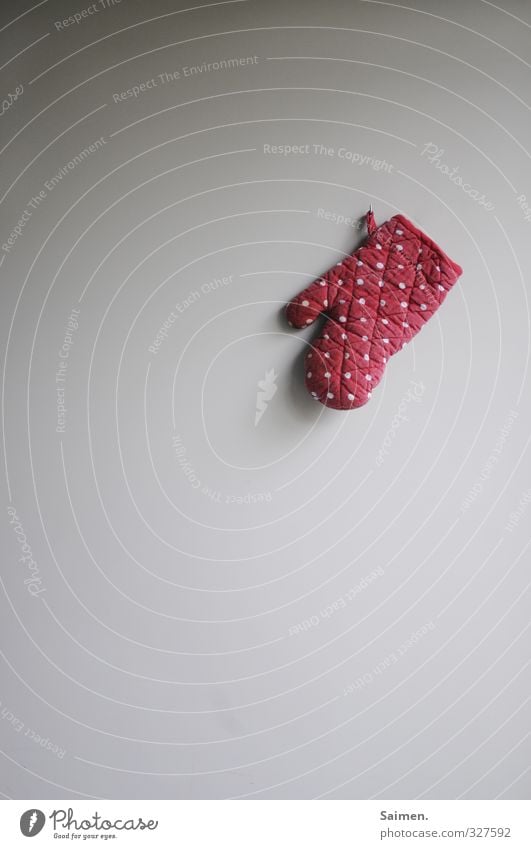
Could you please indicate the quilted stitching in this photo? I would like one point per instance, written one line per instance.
(376, 300)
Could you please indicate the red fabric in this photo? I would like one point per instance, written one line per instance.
(375, 300)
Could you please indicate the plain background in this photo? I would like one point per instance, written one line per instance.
(321, 604)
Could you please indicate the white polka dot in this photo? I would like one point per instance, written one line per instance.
(363, 320)
(403, 304)
(404, 344)
(329, 394)
(441, 288)
(327, 374)
(385, 359)
(350, 396)
(423, 307)
(419, 266)
(405, 324)
(382, 303)
(368, 377)
(365, 338)
(437, 268)
(378, 247)
(365, 356)
(309, 374)
(308, 321)
(342, 301)
(400, 266)
(400, 247)
(361, 301)
(314, 394)
(326, 336)
(422, 286)
(347, 374)
(339, 282)
(379, 265)
(385, 341)
(306, 303)
(322, 283)
(399, 232)
(344, 336)
(385, 321)
(401, 285)
(347, 356)
(325, 303)
(327, 355)
(310, 355)
(380, 283)
(342, 318)
(359, 262)
(359, 281)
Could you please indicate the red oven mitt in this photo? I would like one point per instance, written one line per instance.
(375, 301)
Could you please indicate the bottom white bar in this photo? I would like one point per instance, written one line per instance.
(268, 824)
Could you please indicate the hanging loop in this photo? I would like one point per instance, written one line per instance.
(370, 222)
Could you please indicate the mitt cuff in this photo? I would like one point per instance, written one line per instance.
(405, 222)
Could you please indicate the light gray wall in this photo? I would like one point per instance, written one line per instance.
(321, 604)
